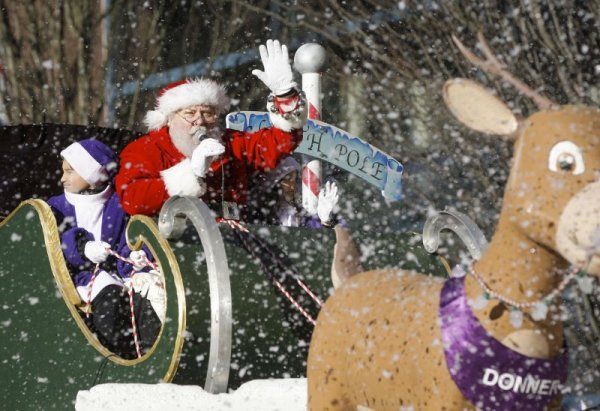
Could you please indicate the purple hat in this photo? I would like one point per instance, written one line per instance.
(94, 161)
(286, 166)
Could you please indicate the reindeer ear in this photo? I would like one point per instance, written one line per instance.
(478, 109)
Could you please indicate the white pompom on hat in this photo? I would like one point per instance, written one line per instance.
(186, 93)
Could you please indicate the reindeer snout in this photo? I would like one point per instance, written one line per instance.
(578, 233)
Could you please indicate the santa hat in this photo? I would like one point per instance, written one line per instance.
(186, 93)
(285, 167)
(95, 162)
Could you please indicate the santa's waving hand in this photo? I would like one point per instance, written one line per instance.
(277, 74)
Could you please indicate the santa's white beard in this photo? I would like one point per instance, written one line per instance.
(187, 142)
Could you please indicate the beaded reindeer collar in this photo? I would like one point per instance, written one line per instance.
(539, 308)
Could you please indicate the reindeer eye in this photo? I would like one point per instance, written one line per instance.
(565, 156)
(566, 162)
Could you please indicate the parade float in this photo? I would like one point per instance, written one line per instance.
(230, 318)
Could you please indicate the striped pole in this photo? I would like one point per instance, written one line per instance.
(309, 60)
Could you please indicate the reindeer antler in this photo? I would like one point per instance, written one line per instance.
(492, 65)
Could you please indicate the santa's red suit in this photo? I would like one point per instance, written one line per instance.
(152, 169)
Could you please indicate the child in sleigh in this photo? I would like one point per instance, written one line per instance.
(91, 222)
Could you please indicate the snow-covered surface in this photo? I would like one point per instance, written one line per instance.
(264, 395)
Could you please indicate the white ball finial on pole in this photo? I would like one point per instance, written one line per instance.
(310, 61)
(310, 58)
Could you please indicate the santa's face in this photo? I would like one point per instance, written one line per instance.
(189, 126)
(71, 180)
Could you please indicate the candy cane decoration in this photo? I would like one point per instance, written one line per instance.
(89, 290)
(136, 340)
(309, 60)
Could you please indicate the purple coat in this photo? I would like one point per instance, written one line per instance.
(114, 223)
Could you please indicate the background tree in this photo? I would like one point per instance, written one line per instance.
(101, 63)
(50, 53)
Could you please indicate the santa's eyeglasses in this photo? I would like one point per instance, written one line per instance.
(192, 115)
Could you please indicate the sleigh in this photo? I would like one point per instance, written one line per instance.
(226, 320)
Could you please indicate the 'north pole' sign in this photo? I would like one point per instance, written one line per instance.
(328, 143)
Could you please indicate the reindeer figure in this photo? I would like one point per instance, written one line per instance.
(492, 339)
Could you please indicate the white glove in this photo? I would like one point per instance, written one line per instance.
(328, 199)
(142, 282)
(96, 251)
(203, 155)
(278, 75)
(139, 259)
(150, 286)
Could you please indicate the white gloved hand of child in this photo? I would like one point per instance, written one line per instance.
(328, 199)
(277, 74)
(139, 259)
(150, 286)
(96, 251)
(203, 155)
(142, 282)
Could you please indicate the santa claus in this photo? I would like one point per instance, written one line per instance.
(186, 152)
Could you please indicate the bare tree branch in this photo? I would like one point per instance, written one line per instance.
(494, 66)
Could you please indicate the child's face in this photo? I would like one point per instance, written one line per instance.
(71, 181)
(287, 186)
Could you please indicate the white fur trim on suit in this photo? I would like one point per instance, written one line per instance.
(84, 164)
(103, 279)
(296, 119)
(155, 120)
(181, 180)
(193, 92)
